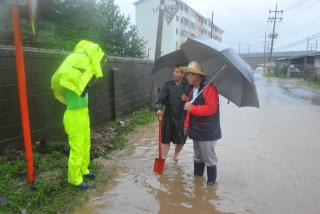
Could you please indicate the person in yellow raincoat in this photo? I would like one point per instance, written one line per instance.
(70, 84)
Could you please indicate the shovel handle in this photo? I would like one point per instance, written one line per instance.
(160, 138)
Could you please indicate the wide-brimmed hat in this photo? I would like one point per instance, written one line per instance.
(195, 68)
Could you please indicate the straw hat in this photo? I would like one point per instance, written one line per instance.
(195, 68)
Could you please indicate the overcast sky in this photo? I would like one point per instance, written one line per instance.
(244, 21)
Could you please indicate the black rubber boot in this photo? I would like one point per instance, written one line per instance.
(198, 169)
(212, 175)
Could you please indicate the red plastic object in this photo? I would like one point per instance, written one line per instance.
(159, 162)
(22, 91)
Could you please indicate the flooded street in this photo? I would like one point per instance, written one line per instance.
(268, 163)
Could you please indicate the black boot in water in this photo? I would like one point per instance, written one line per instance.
(212, 175)
(198, 169)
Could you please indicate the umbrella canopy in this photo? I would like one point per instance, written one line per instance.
(235, 82)
(163, 66)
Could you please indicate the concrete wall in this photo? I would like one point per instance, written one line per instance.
(317, 66)
(125, 88)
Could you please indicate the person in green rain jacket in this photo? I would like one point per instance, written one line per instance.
(70, 85)
(169, 106)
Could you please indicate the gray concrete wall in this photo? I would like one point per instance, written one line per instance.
(317, 66)
(125, 88)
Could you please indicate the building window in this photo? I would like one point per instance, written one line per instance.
(193, 25)
(185, 33)
(186, 21)
(186, 9)
(204, 31)
(177, 18)
(177, 31)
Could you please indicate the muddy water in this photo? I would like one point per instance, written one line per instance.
(268, 163)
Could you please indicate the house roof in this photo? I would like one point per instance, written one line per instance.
(299, 56)
(138, 2)
(283, 54)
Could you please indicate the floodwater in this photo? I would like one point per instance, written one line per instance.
(268, 163)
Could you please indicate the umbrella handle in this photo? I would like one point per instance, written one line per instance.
(215, 76)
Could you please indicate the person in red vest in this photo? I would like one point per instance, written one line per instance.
(202, 123)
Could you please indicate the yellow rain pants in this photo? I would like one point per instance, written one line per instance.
(77, 126)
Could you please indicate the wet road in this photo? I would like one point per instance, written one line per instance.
(268, 163)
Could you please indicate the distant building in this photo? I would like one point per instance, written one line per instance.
(258, 59)
(180, 22)
(305, 66)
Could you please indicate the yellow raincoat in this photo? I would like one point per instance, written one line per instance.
(68, 83)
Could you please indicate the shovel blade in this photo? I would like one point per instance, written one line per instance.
(158, 165)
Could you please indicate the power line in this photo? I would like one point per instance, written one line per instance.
(295, 5)
(300, 10)
(302, 41)
(286, 4)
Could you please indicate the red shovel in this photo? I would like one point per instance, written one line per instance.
(159, 162)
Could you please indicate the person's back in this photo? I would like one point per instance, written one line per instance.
(70, 84)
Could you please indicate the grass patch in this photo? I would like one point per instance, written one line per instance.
(315, 84)
(268, 74)
(273, 74)
(140, 117)
(53, 193)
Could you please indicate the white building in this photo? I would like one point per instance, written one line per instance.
(180, 22)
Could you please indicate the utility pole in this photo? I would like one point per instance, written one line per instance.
(308, 39)
(168, 12)
(160, 28)
(316, 45)
(211, 25)
(275, 18)
(149, 49)
(265, 47)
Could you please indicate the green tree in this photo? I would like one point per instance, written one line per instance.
(61, 24)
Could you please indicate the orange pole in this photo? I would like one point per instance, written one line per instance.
(22, 91)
